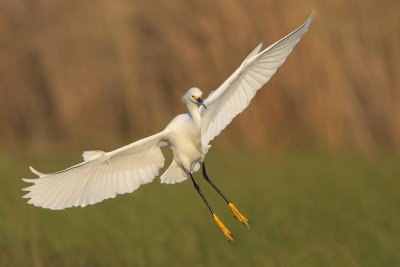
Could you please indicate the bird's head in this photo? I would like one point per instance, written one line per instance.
(193, 95)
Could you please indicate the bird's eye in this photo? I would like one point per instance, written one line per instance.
(193, 97)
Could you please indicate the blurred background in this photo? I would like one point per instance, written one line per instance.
(314, 161)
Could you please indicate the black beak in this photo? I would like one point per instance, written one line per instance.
(201, 103)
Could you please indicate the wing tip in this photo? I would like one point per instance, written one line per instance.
(26, 180)
(36, 172)
(313, 14)
(310, 20)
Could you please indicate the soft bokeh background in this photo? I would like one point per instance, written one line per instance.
(314, 161)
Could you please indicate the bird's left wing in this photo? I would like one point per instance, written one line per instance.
(102, 175)
(235, 94)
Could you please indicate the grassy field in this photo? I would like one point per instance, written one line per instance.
(306, 209)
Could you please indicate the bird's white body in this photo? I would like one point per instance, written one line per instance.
(103, 175)
(184, 137)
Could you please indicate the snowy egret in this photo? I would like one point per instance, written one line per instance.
(103, 175)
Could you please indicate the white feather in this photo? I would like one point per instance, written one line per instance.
(235, 94)
(103, 175)
(99, 177)
(174, 174)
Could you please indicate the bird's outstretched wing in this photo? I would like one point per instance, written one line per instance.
(235, 94)
(102, 175)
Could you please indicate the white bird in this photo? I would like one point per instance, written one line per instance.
(103, 175)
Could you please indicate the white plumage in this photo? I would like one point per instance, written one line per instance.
(103, 175)
(235, 94)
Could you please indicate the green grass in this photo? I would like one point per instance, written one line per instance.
(305, 209)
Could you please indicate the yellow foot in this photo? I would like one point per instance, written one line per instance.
(238, 215)
(225, 230)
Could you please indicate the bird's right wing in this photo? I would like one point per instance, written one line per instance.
(102, 175)
(235, 94)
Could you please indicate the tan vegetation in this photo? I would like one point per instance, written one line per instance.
(100, 71)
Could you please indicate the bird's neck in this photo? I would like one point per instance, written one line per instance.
(194, 113)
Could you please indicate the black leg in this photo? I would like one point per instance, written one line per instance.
(235, 211)
(201, 193)
(212, 184)
(224, 230)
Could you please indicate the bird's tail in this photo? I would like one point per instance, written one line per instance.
(174, 174)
